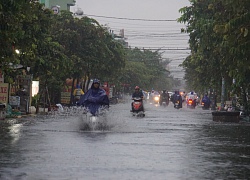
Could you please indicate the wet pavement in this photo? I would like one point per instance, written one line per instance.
(166, 144)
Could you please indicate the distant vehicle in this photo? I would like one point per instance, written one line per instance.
(196, 97)
(154, 97)
(137, 107)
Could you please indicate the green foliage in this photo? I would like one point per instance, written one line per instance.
(57, 47)
(219, 43)
(146, 69)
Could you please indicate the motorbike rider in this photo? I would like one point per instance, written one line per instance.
(164, 97)
(94, 98)
(192, 97)
(137, 93)
(177, 97)
(206, 100)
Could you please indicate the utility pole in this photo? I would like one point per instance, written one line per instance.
(222, 93)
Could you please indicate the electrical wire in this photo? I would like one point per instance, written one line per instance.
(132, 19)
(161, 34)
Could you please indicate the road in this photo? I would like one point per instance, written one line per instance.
(166, 144)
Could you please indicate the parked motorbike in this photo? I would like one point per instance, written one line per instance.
(191, 103)
(137, 107)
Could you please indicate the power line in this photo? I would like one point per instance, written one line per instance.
(131, 19)
(176, 49)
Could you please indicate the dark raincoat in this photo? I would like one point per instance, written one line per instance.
(206, 100)
(93, 99)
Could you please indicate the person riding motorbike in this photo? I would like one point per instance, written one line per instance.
(206, 101)
(137, 94)
(191, 96)
(94, 98)
(164, 97)
(177, 97)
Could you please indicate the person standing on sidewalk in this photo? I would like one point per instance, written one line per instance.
(78, 92)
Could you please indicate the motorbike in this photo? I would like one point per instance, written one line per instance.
(191, 103)
(156, 99)
(137, 107)
(177, 104)
(205, 106)
(164, 102)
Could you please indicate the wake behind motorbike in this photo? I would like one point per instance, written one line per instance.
(137, 107)
(96, 120)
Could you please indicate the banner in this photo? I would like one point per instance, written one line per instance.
(35, 88)
(4, 93)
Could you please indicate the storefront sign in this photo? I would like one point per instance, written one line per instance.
(4, 93)
(65, 97)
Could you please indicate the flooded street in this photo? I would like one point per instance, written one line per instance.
(166, 144)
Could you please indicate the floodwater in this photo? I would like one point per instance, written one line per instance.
(166, 144)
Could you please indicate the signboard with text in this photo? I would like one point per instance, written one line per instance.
(65, 97)
(14, 100)
(4, 92)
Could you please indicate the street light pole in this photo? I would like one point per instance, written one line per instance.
(222, 93)
(29, 76)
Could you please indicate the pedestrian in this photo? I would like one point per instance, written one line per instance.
(77, 93)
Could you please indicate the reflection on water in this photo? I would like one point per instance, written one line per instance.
(166, 144)
(14, 131)
(222, 149)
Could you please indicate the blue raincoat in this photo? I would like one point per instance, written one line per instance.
(206, 99)
(93, 99)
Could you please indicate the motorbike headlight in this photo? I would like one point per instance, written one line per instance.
(156, 98)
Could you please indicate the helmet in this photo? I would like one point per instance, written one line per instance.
(137, 87)
(192, 92)
(96, 81)
(164, 90)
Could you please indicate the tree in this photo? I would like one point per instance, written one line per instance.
(219, 43)
(10, 31)
(146, 69)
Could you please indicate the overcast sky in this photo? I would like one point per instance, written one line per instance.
(148, 31)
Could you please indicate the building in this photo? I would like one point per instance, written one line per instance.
(61, 4)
